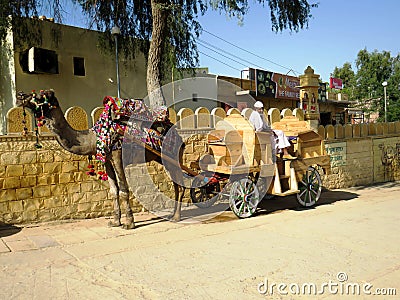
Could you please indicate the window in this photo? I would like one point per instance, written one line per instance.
(79, 66)
(39, 61)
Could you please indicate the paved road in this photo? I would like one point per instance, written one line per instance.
(350, 240)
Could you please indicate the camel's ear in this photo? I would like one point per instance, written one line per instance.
(50, 93)
(51, 97)
(22, 98)
(20, 94)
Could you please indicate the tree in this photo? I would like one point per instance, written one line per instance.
(171, 26)
(393, 91)
(372, 70)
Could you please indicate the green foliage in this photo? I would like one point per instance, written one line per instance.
(134, 18)
(22, 16)
(373, 68)
(10, 13)
(393, 91)
(293, 15)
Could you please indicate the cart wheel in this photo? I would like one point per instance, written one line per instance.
(310, 188)
(244, 197)
(263, 186)
(203, 194)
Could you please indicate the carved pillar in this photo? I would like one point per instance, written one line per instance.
(309, 84)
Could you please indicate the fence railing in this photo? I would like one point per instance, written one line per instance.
(185, 118)
(203, 118)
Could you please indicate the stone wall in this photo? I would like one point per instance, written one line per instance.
(46, 184)
(362, 154)
(363, 161)
(51, 184)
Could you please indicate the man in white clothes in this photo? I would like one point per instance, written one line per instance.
(257, 119)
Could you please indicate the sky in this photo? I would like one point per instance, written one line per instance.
(337, 31)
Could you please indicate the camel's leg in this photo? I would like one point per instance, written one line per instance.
(176, 217)
(177, 177)
(129, 222)
(123, 188)
(112, 180)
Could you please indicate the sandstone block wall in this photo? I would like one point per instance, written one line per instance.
(386, 157)
(363, 161)
(51, 184)
(47, 184)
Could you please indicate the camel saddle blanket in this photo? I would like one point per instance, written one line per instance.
(133, 116)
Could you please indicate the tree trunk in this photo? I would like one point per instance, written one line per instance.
(160, 14)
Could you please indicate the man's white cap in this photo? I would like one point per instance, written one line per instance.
(258, 104)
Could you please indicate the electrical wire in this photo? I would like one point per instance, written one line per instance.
(219, 61)
(202, 42)
(236, 61)
(247, 51)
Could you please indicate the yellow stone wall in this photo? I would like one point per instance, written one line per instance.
(51, 184)
(46, 184)
(386, 159)
(38, 185)
(363, 161)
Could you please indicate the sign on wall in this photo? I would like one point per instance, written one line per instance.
(386, 159)
(287, 86)
(337, 152)
(275, 85)
(336, 83)
(322, 92)
(265, 86)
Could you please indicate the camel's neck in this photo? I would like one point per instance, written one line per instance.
(81, 142)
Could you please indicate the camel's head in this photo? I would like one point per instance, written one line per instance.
(39, 103)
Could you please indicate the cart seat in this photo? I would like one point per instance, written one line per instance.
(291, 126)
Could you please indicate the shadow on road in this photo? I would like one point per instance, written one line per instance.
(151, 221)
(289, 202)
(7, 230)
(278, 204)
(378, 186)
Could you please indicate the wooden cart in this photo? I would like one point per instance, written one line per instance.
(242, 166)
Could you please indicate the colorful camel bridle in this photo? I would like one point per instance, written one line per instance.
(41, 104)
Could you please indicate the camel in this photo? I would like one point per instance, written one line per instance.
(45, 107)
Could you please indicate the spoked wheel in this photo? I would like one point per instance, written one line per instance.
(203, 193)
(310, 188)
(244, 197)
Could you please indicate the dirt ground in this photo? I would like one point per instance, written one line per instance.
(347, 245)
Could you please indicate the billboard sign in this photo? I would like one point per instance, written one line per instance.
(287, 86)
(322, 92)
(264, 84)
(275, 85)
(335, 83)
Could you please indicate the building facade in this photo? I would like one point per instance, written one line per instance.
(69, 60)
(281, 91)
